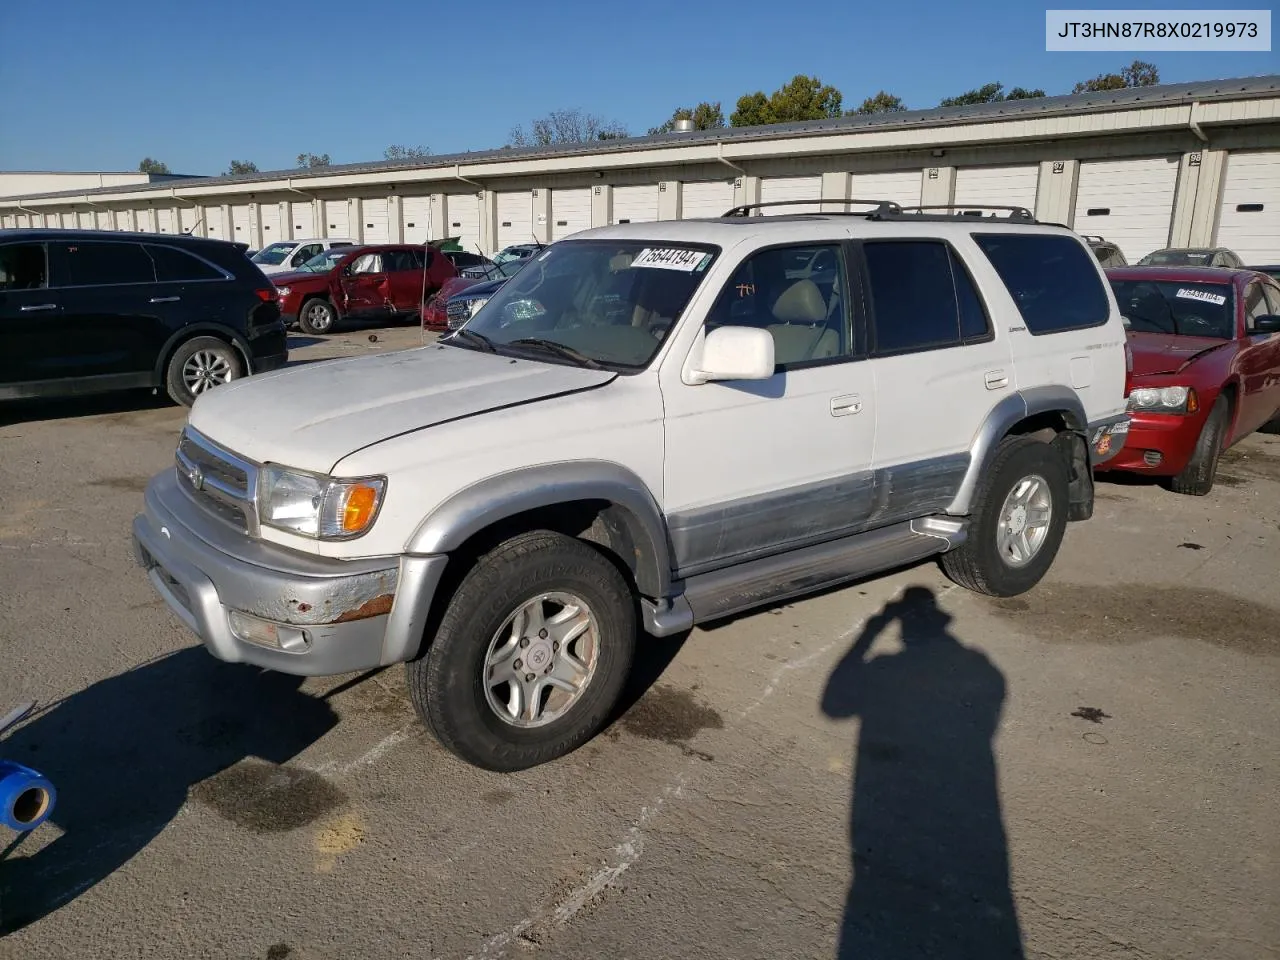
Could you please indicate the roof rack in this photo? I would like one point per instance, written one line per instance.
(886, 210)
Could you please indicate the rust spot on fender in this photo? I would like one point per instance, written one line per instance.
(370, 608)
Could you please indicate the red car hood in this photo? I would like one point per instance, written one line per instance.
(1157, 353)
(297, 276)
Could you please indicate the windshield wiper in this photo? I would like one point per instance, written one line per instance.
(470, 336)
(552, 346)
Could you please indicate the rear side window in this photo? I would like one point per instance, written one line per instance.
(103, 264)
(22, 267)
(921, 297)
(173, 265)
(1052, 280)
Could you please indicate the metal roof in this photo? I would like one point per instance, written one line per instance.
(1129, 98)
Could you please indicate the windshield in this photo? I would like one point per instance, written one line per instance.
(324, 262)
(273, 254)
(612, 302)
(1177, 258)
(1166, 306)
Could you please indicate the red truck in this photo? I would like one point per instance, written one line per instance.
(364, 282)
(1204, 345)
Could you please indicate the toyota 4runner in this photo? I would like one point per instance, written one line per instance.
(653, 425)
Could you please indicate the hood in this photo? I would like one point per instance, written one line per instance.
(296, 276)
(1158, 353)
(481, 288)
(312, 416)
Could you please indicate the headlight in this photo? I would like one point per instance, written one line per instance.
(1164, 400)
(476, 304)
(318, 506)
(283, 291)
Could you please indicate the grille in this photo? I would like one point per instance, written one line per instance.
(219, 481)
(458, 312)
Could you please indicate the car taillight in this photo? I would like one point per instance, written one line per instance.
(267, 294)
(1128, 368)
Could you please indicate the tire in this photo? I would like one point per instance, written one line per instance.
(452, 688)
(198, 365)
(983, 562)
(317, 316)
(1198, 476)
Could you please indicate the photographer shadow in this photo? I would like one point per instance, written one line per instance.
(930, 859)
(125, 753)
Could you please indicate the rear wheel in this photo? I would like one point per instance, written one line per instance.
(317, 316)
(1198, 476)
(198, 366)
(1017, 521)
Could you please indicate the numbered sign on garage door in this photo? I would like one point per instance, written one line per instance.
(998, 186)
(302, 215)
(416, 215)
(515, 218)
(1129, 202)
(897, 186)
(269, 216)
(635, 204)
(337, 219)
(1249, 222)
(570, 212)
(377, 227)
(462, 214)
(705, 198)
(774, 189)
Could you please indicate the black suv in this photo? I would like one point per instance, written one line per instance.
(84, 311)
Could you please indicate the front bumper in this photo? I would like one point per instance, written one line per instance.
(1158, 445)
(351, 615)
(1107, 438)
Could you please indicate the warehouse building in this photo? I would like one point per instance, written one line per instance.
(26, 183)
(1174, 165)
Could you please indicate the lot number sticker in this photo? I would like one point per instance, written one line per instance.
(686, 261)
(1216, 299)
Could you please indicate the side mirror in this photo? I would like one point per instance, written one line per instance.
(735, 353)
(1267, 323)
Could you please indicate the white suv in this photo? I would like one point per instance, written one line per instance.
(651, 426)
(287, 255)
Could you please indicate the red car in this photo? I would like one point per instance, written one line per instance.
(1204, 350)
(382, 281)
(433, 311)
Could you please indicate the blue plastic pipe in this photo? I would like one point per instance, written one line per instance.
(26, 797)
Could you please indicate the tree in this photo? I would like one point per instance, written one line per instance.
(152, 166)
(705, 116)
(1137, 74)
(990, 93)
(801, 98)
(1022, 93)
(242, 166)
(313, 160)
(882, 102)
(566, 126)
(406, 154)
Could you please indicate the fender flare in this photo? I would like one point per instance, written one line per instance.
(633, 513)
(200, 328)
(1001, 419)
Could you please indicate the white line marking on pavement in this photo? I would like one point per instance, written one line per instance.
(334, 768)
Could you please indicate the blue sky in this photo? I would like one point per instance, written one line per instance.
(92, 85)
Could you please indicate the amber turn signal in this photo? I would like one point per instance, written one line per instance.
(362, 503)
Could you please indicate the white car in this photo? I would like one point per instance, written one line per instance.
(291, 254)
(650, 426)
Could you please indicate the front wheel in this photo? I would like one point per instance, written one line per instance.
(198, 366)
(317, 316)
(1198, 476)
(531, 655)
(1017, 522)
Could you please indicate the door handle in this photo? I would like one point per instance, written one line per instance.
(32, 308)
(995, 379)
(846, 406)
(165, 299)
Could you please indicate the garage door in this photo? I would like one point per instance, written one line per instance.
(164, 221)
(416, 219)
(375, 224)
(899, 186)
(1249, 222)
(706, 198)
(187, 217)
(773, 189)
(570, 212)
(998, 186)
(463, 216)
(242, 225)
(22, 221)
(86, 220)
(337, 220)
(302, 220)
(1129, 202)
(515, 218)
(213, 223)
(635, 204)
(269, 217)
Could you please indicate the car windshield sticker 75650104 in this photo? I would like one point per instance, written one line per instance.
(671, 258)
(1188, 294)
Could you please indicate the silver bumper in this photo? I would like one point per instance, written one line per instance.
(345, 614)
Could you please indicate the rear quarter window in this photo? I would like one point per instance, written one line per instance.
(1052, 279)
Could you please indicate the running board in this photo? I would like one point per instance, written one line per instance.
(722, 593)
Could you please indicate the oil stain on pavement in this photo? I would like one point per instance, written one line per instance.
(673, 716)
(266, 797)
